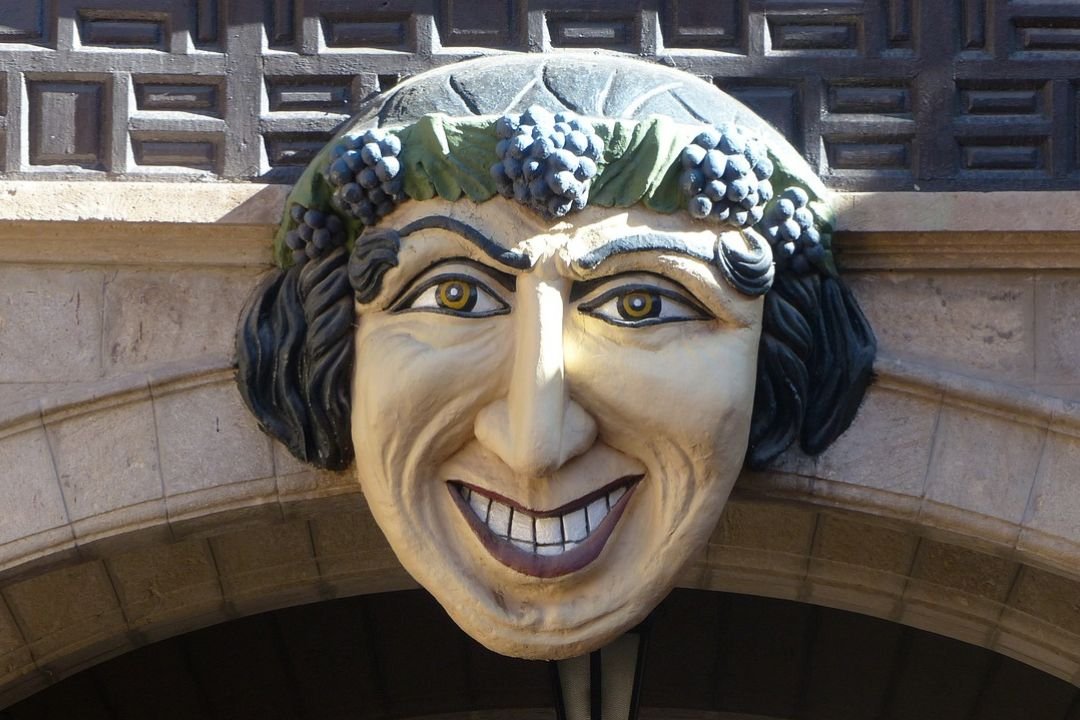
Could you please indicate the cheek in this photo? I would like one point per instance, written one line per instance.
(413, 372)
(697, 391)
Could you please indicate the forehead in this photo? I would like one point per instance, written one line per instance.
(582, 238)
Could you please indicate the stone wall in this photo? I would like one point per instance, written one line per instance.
(142, 501)
(145, 149)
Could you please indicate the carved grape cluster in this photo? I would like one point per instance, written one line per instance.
(367, 175)
(547, 161)
(726, 176)
(316, 233)
(791, 230)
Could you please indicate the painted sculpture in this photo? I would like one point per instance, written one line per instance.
(553, 305)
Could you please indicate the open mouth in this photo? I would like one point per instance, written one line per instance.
(544, 543)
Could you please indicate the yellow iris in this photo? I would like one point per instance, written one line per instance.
(637, 305)
(456, 295)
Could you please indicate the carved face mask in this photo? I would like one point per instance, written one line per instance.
(547, 430)
(553, 312)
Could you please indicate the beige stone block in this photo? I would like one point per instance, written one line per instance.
(208, 438)
(768, 538)
(1048, 597)
(792, 462)
(157, 583)
(66, 611)
(777, 483)
(206, 517)
(375, 581)
(11, 638)
(983, 466)
(1055, 505)
(860, 554)
(873, 600)
(50, 324)
(314, 484)
(32, 499)
(956, 572)
(951, 621)
(348, 543)
(747, 581)
(1057, 346)
(766, 526)
(1037, 643)
(142, 525)
(154, 316)
(695, 571)
(107, 459)
(15, 657)
(285, 463)
(971, 322)
(12, 393)
(957, 588)
(263, 560)
(327, 500)
(1065, 391)
(723, 558)
(887, 446)
(873, 501)
(841, 539)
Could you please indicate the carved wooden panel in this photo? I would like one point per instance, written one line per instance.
(66, 123)
(22, 21)
(479, 23)
(879, 94)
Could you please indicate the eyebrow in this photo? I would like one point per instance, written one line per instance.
(644, 242)
(498, 253)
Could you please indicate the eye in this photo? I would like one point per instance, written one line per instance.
(638, 305)
(454, 294)
(457, 295)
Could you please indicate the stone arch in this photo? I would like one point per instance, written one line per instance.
(217, 543)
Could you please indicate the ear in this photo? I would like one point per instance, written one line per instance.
(295, 356)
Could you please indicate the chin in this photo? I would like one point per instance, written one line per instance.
(551, 607)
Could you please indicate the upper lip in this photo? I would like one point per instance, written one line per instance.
(544, 543)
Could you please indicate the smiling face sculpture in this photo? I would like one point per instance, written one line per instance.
(553, 322)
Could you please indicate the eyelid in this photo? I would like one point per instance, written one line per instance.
(636, 287)
(595, 293)
(678, 307)
(413, 286)
(418, 289)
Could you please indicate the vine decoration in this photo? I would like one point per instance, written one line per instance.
(555, 164)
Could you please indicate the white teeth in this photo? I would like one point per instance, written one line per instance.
(545, 536)
(575, 528)
(479, 505)
(597, 512)
(521, 527)
(549, 530)
(499, 519)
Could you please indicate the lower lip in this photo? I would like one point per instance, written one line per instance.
(545, 566)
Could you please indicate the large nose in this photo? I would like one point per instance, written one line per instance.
(536, 426)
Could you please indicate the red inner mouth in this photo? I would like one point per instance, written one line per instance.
(565, 552)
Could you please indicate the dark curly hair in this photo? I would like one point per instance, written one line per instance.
(295, 340)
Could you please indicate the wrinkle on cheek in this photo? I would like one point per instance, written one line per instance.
(418, 395)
